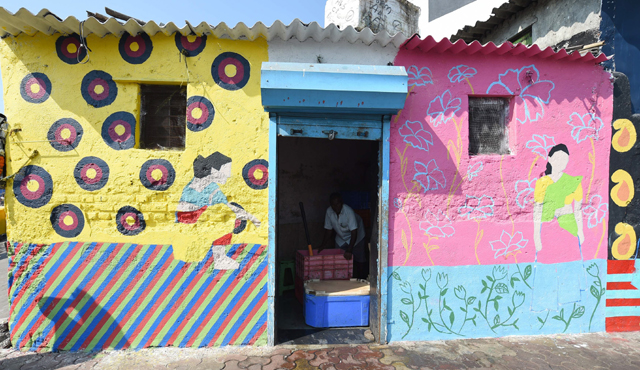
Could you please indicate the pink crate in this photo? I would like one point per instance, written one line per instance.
(329, 265)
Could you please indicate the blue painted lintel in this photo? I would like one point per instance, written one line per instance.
(332, 88)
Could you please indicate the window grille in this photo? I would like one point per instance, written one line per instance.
(163, 116)
(488, 132)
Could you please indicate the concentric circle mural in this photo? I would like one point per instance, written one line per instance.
(67, 220)
(35, 87)
(256, 174)
(231, 71)
(190, 45)
(130, 221)
(157, 174)
(33, 186)
(200, 113)
(135, 49)
(65, 134)
(70, 49)
(91, 173)
(98, 89)
(119, 130)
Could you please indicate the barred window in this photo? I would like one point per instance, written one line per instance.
(488, 133)
(163, 116)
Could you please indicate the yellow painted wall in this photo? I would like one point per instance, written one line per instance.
(239, 131)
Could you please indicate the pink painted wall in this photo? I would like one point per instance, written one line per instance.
(450, 208)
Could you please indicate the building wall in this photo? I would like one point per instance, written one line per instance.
(101, 262)
(462, 250)
(553, 23)
(619, 32)
(392, 16)
(450, 23)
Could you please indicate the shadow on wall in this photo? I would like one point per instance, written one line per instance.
(75, 322)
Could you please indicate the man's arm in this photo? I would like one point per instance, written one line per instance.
(349, 252)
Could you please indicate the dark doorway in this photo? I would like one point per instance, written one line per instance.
(309, 170)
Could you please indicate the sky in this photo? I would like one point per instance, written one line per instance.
(213, 12)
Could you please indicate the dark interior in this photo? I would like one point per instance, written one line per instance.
(309, 170)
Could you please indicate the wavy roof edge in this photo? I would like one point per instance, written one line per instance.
(429, 44)
(23, 21)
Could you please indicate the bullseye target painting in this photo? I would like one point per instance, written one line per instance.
(67, 220)
(70, 49)
(33, 186)
(200, 113)
(190, 45)
(98, 89)
(35, 87)
(231, 71)
(130, 221)
(65, 134)
(256, 174)
(91, 173)
(157, 174)
(135, 49)
(119, 130)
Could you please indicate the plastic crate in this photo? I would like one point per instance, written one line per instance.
(356, 199)
(333, 309)
(330, 265)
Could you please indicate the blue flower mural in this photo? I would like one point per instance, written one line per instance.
(595, 211)
(524, 190)
(414, 134)
(541, 144)
(419, 77)
(585, 126)
(397, 203)
(477, 207)
(508, 243)
(443, 107)
(474, 170)
(438, 225)
(429, 176)
(530, 91)
(461, 72)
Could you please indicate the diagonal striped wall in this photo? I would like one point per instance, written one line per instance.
(91, 296)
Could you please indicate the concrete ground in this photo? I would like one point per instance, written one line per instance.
(585, 351)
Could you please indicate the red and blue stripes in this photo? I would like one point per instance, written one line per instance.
(622, 310)
(92, 296)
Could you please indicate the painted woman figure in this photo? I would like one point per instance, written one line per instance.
(558, 196)
(204, 190)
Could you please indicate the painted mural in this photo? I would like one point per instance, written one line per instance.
(180, 227)
(622, 311)
(493, 245)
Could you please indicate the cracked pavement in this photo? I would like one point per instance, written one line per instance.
(583, 351)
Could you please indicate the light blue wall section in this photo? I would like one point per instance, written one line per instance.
(432, 303)
(333, 88)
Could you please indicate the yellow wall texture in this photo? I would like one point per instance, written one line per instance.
(239, 131)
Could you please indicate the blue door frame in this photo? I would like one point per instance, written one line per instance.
(281, 126)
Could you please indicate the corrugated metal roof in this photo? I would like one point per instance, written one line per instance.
(23, 21)
(429, 44)
(499, 15)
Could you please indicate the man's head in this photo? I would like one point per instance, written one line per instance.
(335, 200)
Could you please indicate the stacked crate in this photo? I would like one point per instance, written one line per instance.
(330, 265)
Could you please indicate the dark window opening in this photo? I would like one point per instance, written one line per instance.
(163, 116)
(524, 37)
(488, 132)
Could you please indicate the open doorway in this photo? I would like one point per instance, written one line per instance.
(309, 171)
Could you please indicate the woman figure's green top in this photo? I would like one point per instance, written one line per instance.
(555, 195)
